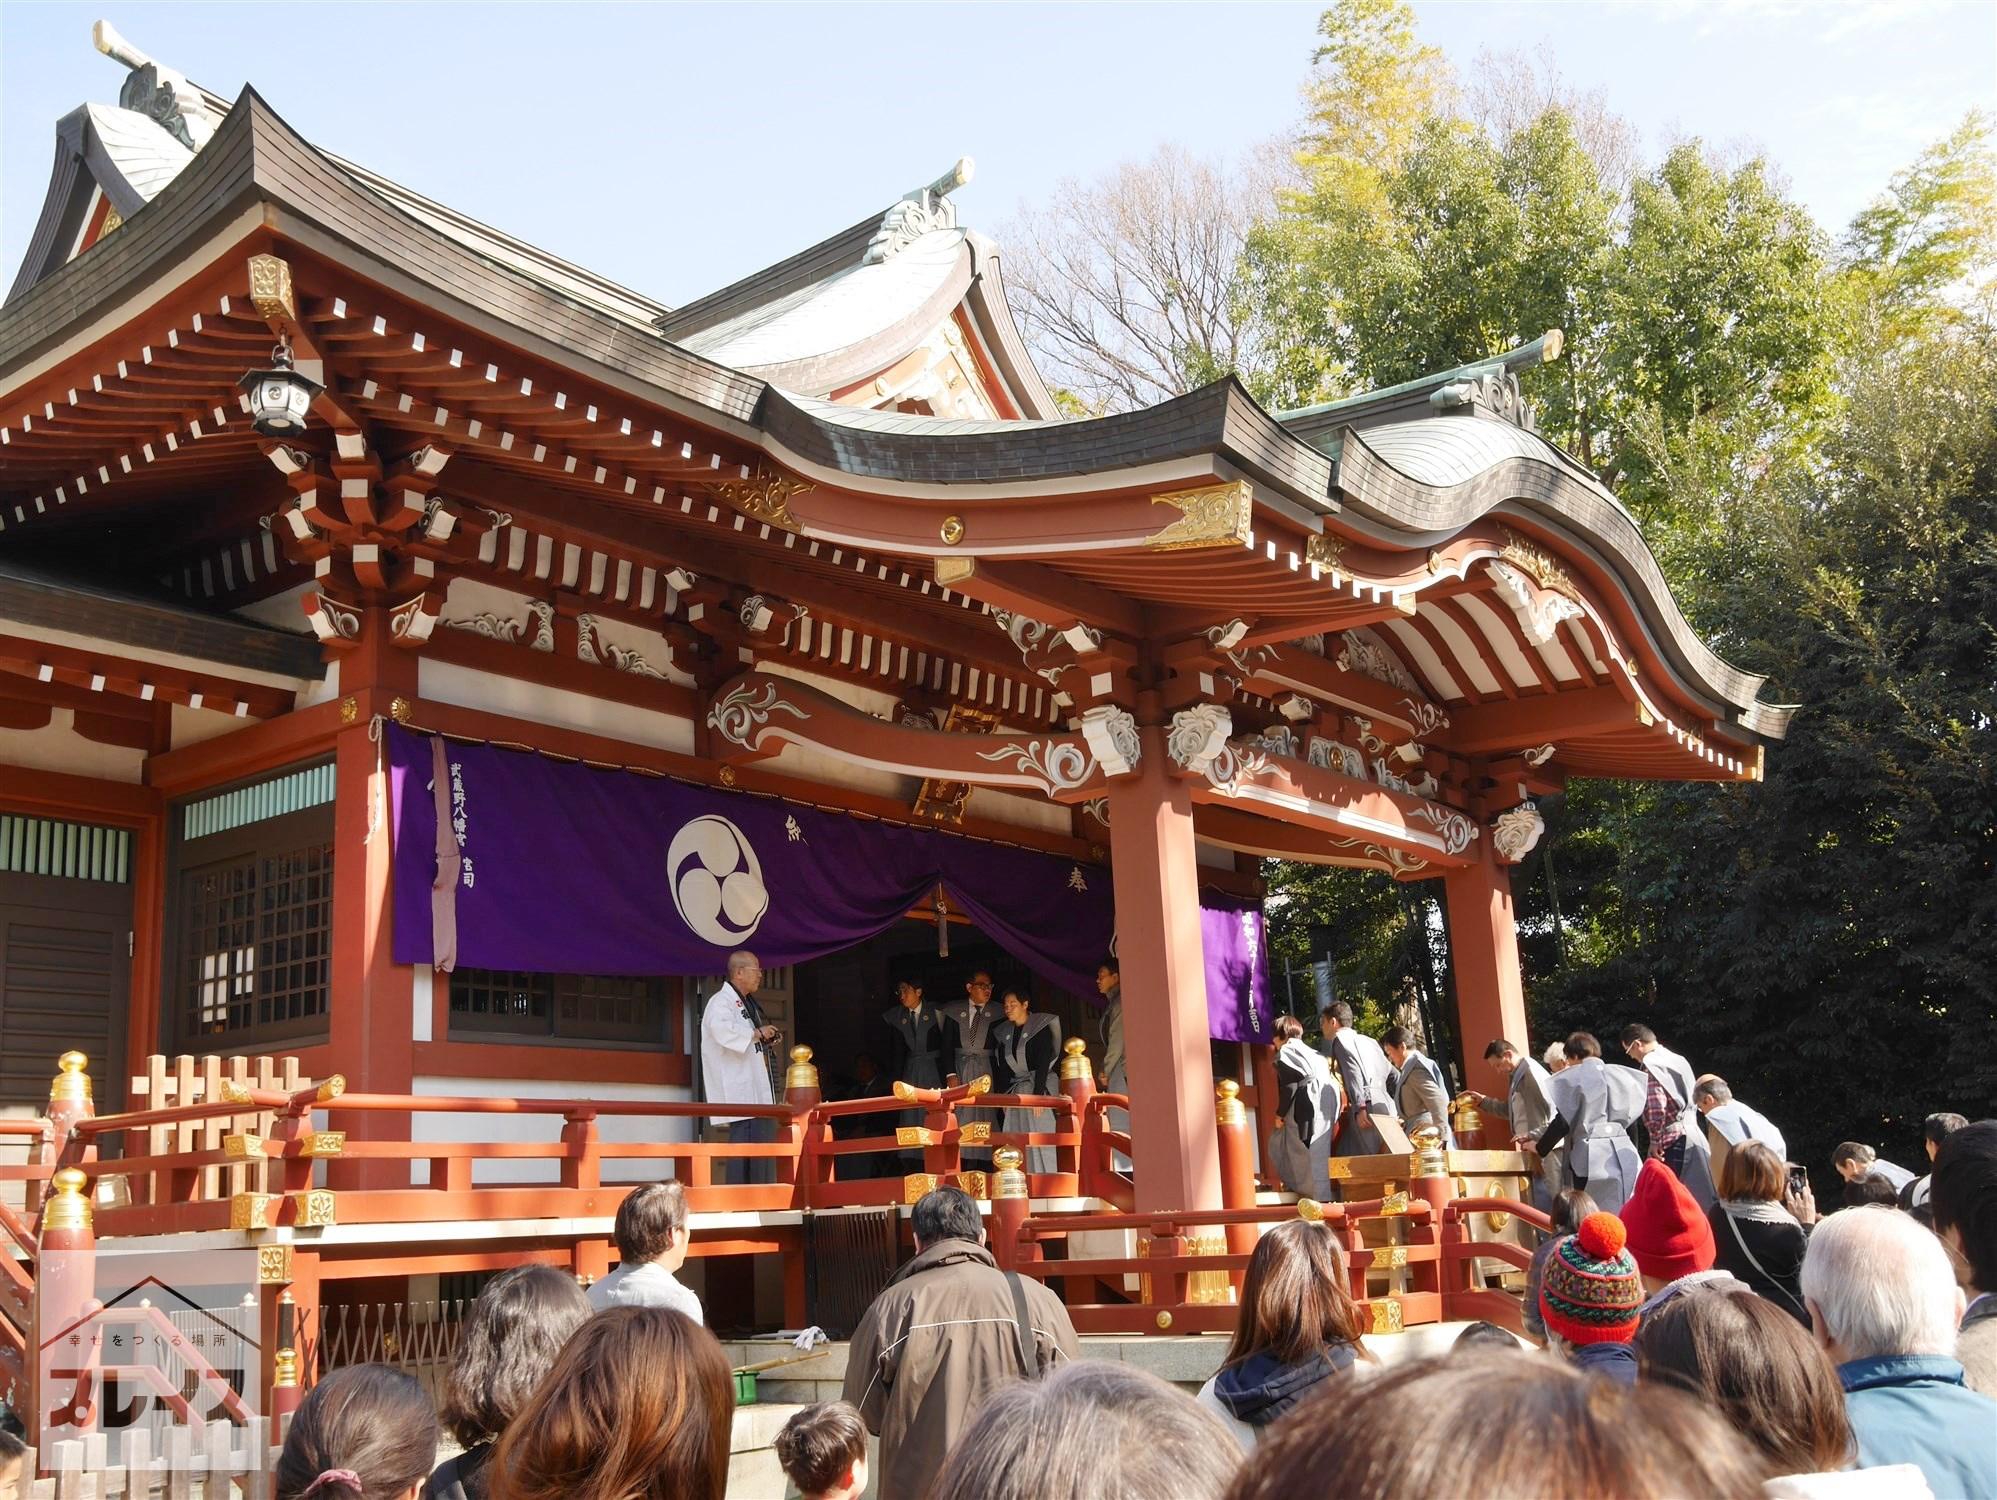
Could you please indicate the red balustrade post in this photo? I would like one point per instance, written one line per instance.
(1237, 1168)
(285, 1391)
(69, 1102)
(65, 1296)
(807, 1133)
(1430, 1184)
(1078, 1082)
(1011, 1202)
(582, 1166)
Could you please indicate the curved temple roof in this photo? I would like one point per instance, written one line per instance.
(1404, 513)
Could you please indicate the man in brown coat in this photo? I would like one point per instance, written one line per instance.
(950, 1329)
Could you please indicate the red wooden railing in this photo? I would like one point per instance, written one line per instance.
(1187, 1264)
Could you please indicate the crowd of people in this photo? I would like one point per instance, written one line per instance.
(1856, 1353)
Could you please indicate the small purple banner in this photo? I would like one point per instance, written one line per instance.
(1235, 934)
(570, 869)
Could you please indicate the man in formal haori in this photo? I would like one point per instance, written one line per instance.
(1528, 1105)
(1367, 1078)
(1670, 1118)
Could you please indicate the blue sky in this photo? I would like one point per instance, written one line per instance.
(676, 147)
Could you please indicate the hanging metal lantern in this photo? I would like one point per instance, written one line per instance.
(280, 398)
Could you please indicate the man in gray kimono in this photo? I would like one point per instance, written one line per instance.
(972, 1020)
(1528, 1104)
(1594, 1106)
(1730, 1123)
(1670, 1117)
(1418, 1086)
(1367, 1078)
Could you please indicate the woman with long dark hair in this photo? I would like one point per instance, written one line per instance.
(365, 1432)
(638, 1406)
(510, 1338)
(1297, 1333)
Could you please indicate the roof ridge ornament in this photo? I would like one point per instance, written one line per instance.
(921, 211)
(160, 93)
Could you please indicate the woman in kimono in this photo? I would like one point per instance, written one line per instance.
(1308, 1104)
(1026, 1045)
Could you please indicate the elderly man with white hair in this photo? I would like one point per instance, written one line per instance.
(1883, 1302)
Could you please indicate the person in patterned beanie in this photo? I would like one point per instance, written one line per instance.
(1589, 1294)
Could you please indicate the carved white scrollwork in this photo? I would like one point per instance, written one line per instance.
(1425, 716)
(1363, 652)
(1515, 833)
(540, 615)
(1393, 859)
(1539, 756)
(1058, 765)
(1237, 759)
(1455, 830)
(1198, 734)
(592, 647)
(1111, 733)
(739, 715)
(1539, 615)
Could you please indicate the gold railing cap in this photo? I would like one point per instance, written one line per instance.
(903, 1090)
(72, 1082)
(1074, 1046)
(1227, 1088)
(1008, 1158)
(1310, 1210)
(333, 1087)
(800, 1054)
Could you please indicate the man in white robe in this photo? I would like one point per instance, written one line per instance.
(736, 1050)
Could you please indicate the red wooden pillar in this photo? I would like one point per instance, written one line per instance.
(1484, 952)
(370, 1020)
(1175, 1158)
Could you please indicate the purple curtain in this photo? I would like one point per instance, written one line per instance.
(567, 868)
(1235, 937)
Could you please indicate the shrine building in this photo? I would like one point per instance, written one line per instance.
(426, 659)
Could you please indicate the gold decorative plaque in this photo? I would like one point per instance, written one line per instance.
(1220, 515)
(1386, 1314)
(765, 496)
(270, 289)
(274, 1264)
(917, 1185)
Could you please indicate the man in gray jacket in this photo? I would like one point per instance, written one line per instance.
(1418, 1088)
(950, 1329)
(1528, 1104)
(1366, 1076)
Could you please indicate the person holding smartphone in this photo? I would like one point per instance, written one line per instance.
(1761, 1225)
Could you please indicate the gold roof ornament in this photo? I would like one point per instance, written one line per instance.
(71, 1084)
(1220, 515)
(765, 496)
(1323, 551)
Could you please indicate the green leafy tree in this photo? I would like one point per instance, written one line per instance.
(1928, 239)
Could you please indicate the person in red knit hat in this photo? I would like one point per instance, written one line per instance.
(1670, 1238)
(1589, 1294)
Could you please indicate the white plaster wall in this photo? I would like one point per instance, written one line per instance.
(190, 726)
(56, 746)
(481, 1127)
(286, 610)
(1213, 856)
(446, 683)
(324, 690)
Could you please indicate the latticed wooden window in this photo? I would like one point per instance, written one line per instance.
(256, 943)
(252, 918)
(564, 1007)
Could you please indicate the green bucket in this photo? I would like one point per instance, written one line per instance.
(745, 1388)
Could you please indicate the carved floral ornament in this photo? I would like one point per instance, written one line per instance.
(1515, 833)
(740, 715)
(1110, 744)
(1221, 515)
(540, 619)
(1522, 552)
(1539, 614)
(765, 496)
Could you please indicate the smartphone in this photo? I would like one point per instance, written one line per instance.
(1799, 1179)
